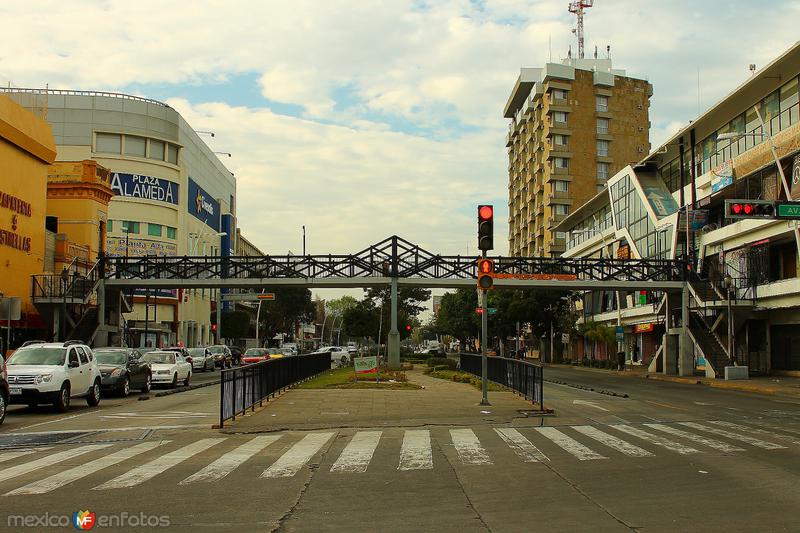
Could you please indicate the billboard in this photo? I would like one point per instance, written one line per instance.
(144, 187)
(203, 206)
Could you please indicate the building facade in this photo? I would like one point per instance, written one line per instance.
(744, 290)
(171, 196)
(572, 126)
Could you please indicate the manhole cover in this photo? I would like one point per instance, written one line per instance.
(21, 440)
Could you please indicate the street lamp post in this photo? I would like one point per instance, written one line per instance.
(304, 240)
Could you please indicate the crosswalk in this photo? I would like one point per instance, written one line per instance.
(109, 467)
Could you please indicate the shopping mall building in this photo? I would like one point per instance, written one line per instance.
(168, 195)
(744, 286)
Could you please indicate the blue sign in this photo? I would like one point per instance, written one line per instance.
(620, 333)
(144, 187)
(203, 206)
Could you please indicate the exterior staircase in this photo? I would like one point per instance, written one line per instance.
(713, 351)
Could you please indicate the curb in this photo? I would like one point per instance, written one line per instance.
(185, 389)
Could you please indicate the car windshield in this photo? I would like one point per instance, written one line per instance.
(217, 349)
(274, 351)
(255, 352)
(195, 352)
(110, 357)
(160, 357)
(38, 356)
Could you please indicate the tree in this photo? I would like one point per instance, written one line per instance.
(292, 305)
(457, 315)
(362, 320)
(598, 334)
(338, 306)
(235, 324)
(408, 298)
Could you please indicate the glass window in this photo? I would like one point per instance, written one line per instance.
(130, 227)
(602, 148)
(154, 230)
(561, 186)
(109, 226)
(602, 103)
(559, 235)
(108, 143)
(156, 150)
(560, 209)
(82, 355)
(602, 125)
(171, 233)
(73, 356)
(560, 116)
(561, 162)
(172, 154)
(135, 145)
(560, 140)
(558, 94)
(602, 171)
(789, 99)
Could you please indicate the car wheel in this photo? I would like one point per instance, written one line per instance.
(343, 360)
(3, 403)
(62, 403)
(174, 380)
(126, 388)
(187, 380)
(93, 399)
(147, 384)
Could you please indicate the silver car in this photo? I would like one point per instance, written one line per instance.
(202, 359)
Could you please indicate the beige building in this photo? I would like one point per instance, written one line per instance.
(573, 125)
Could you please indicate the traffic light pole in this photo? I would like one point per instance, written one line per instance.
(484, 342)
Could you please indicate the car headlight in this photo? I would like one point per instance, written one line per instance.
(116, 372)
(43, 378)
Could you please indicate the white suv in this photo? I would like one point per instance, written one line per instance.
(54, 373)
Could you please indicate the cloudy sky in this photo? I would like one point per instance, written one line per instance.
(372, 118)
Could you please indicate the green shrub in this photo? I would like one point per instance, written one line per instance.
(586, 361)
(437, 368)
(442, 361)
(428, 370)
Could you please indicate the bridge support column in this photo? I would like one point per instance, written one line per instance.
(393, 342)
(685, 355)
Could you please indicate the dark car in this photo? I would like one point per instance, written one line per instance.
(236, 355)
(4, 390)
(123, 369)
(222, 355)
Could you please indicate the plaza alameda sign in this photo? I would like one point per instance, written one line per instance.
(144, 187)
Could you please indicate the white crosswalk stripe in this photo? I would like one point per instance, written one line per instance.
(358, 453)
(147, 471)
(60, 479)
(700, 439)
(416, 453)
(13, 454)
(612, 441)
(297, 456)
(231, 460)
(569, 444)
(658, 440)
(469, 447)
(521, 446)
(48, 460)
(735, 436)
(759, 431)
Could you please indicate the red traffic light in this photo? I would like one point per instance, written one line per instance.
(485, 212)
(485, 274)
(408, 328)
(737, 209)
(213, 327)
(749, 209)
(485, 267)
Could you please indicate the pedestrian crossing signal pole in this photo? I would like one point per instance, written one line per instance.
(485, 282)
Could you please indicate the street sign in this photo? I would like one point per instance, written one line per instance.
(266, 296)
(565, 338)
(248, 297)
(790, 210)
(10, 308)
(366, 365)
(620, 334)
(491, 310)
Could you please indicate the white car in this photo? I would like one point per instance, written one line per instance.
(338, 354)
(54, 373)
(168, 367)
(202, 359)
(289, 349)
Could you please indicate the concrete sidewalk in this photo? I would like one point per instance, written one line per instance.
(440, 402)
(777, 385)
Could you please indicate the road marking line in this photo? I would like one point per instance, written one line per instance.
(7, 456)
(711, 443)
(521, 446)
(469, 447)
(612, 441)
(147, 471)
(49, 460)
(358, 453)
(666, 405)
(415, 453)
(759, 431)
(298, 455)
(590, 404)
(568, 444)
(60, 479)
(656, 439)
(231, 460)
(735, 436)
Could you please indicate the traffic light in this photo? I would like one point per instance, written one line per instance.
(214, 328)
(485, 274)
(485, 227)
(408, 328)
(763, 209)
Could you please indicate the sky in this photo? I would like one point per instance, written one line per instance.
(365, 119)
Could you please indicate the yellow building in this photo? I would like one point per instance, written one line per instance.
(27, 149)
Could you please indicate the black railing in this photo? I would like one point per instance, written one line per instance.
(242, 388)
(78, 283)
(520, 376)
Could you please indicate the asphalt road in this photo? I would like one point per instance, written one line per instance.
(670, 457)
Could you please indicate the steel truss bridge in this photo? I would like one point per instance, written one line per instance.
(391, 261)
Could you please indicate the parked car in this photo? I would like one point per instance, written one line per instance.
(169, 367)
(54, 373)
(202, 359)
(255, 355)
(236, 355)
(337, 353)
(4, 394)
(434, 351)
(275, 353)
(222, 355)
(289, 349)
(123, 369)
(352, 348)
(180, 350)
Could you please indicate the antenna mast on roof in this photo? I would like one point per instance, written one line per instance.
(577, 8)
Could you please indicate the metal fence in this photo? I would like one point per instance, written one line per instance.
(242, 388)
(520, 376)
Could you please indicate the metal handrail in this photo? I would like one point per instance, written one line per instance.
(78, 92)
(524, 377)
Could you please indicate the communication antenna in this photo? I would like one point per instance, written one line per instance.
(577, 8)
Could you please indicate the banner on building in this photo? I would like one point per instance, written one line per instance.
(643, 328)
(722, 176)
(122, 247)
(144, 187)
(795, 190)
(203, 206)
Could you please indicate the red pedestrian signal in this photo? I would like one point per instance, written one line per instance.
(485, 227)
(485, 274)
(761, 209)
(408, 328)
